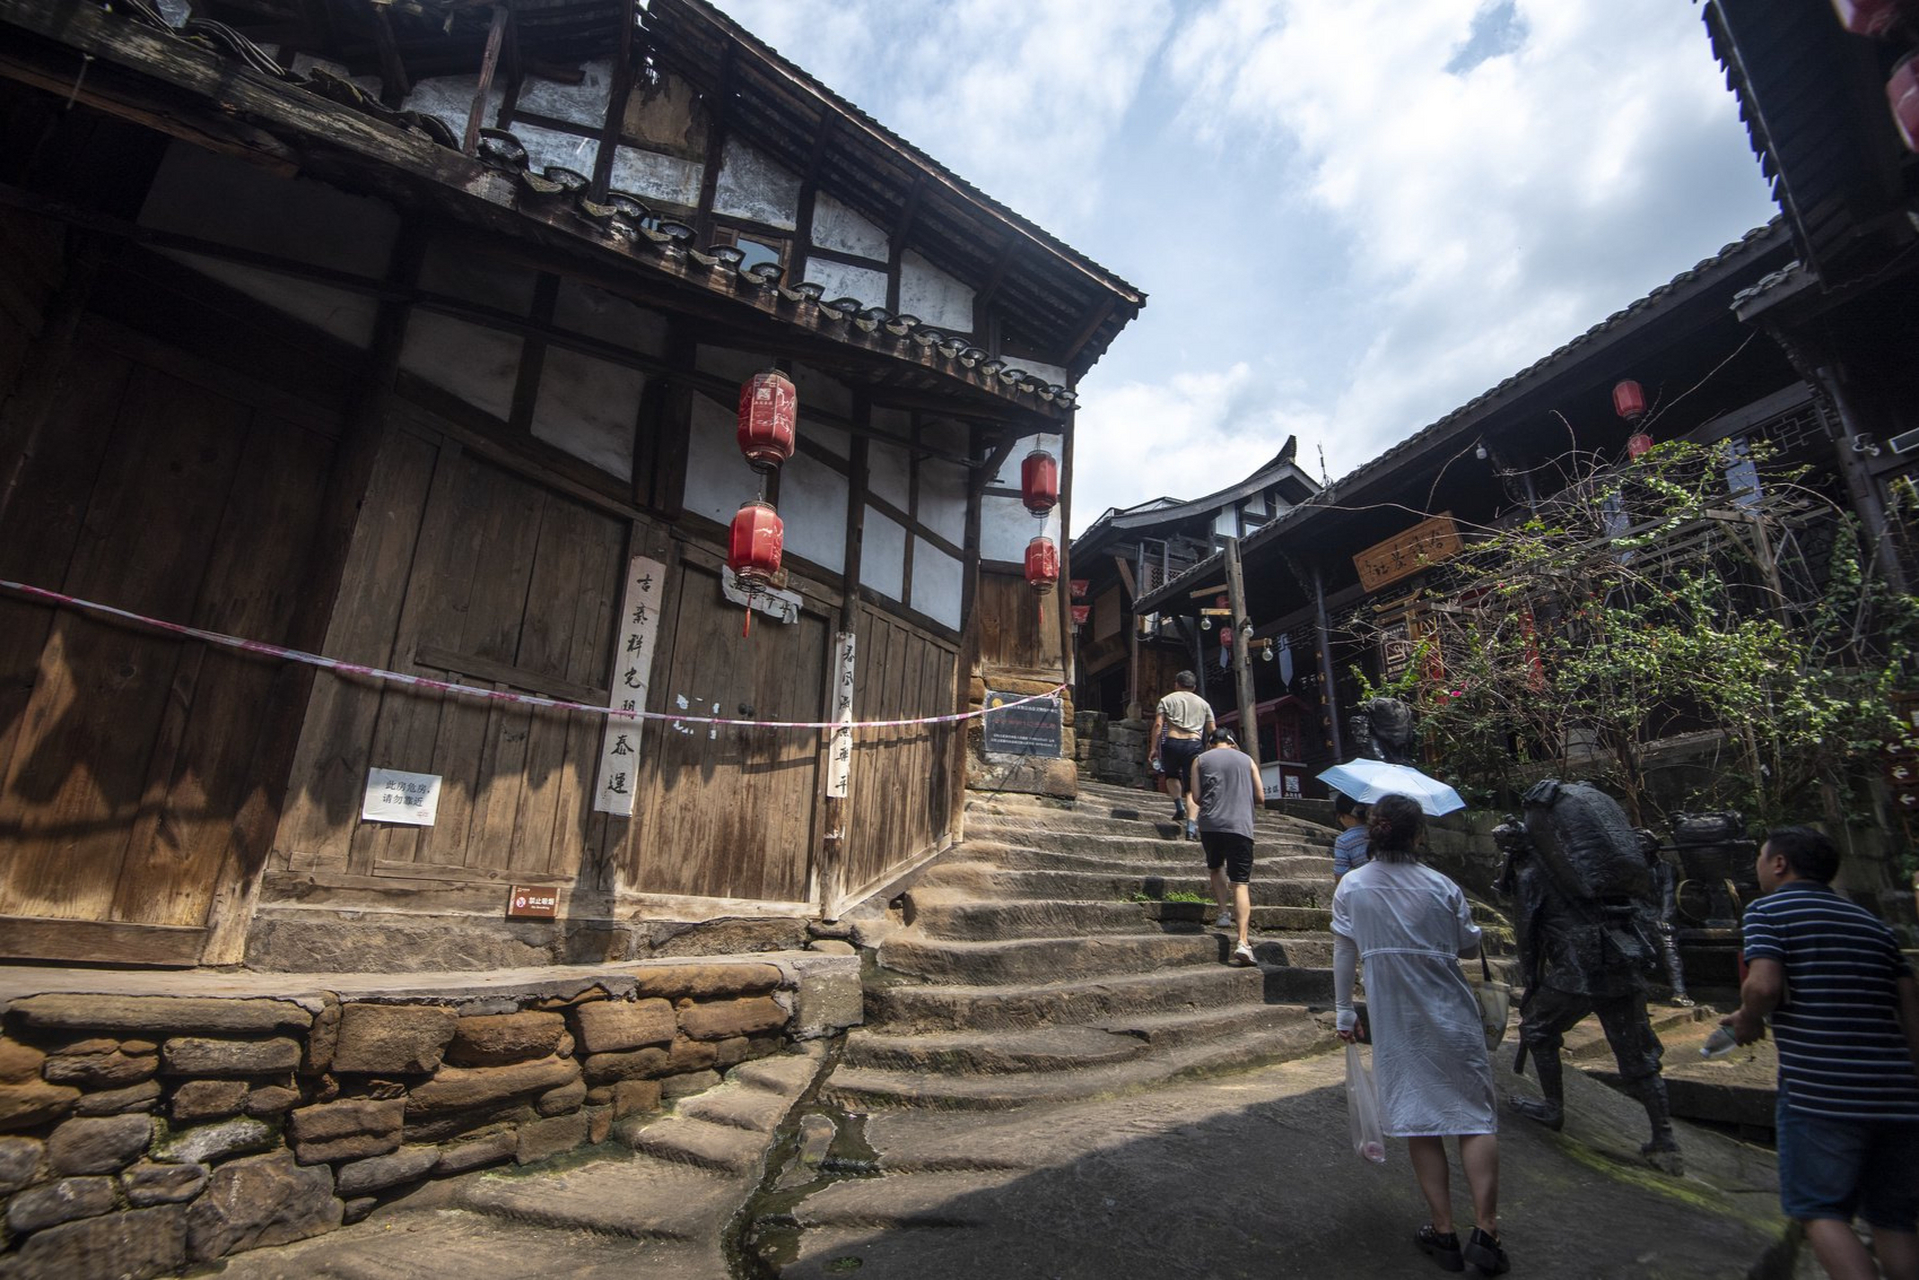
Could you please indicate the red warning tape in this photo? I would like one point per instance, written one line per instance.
(473, 691)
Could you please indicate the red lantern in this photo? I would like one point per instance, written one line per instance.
(1867, 17)
(1637, 443)
(1902, 95)
(1042, 565)
(753, 549)
(769, 404)
(1039, 482)
(1629, 401)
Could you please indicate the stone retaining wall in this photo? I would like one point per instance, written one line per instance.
(143, 1133)
(1113, 750)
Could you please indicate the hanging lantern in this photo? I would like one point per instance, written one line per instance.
(1637, 444)
(769, 406)
(753, 549)
(1042, 565)
(1629, 400)
(1902, 95)
(1039, 482)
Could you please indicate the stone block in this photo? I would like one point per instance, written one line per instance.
(157, 1017)
(148, 1184)
(34, 1102)
(111, 1070)
(636, 1064)
(19, 1063)
(612, 1026)
(105, 1144)
(635, 1097)
(692, 1082)
(205, 1056)
(599, 1124)
(543, 1138)
(496, 1039)
(350, 1129)
(40, 1207)
(731, 1052)
(449, 1126)
(831, 999)
(358, 1208)
(119, 1246)
(408, 1164)
(198, 1101)
(258, 1202)
(407, 1039)
(721, 1019)
(19, 1162)
(707, 981)
(560, 1101)
(209, 1143)
(461, 1157)
(271, 1100)
(322, 1040)
(832, 947)
(468, 1088)
(112, 1102)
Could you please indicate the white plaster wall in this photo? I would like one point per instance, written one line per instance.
(1008, 476)
(943, 499)
(883, 556)
(835, 440)
(198, 193)
(717, 477)
(752, 186)
(935, 297)
(476, 279)
(730, 363)
(1255, 505)
(550, 146)
(813, 505)
(1225, 525)
(1006, 527)
(887, 473)
(451, 97)
(599, 314)
(843, 281)
(582, 103)
(347, 316)
(588, 407)
(937, 583)
(478, 365)
(656, 178)
(837, 227)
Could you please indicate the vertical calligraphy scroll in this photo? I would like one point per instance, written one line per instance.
(839, 764)
(632, 670)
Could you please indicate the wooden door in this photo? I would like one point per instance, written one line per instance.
(128, 756)
(733, 812)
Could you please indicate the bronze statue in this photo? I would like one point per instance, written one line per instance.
(1382, 729)
(1583, 905)
(1665, 884)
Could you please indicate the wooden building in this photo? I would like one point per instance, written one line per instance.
(412, 335)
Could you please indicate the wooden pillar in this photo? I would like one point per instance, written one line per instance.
(489, 62)
(1242, 669)
(1330, 696)
(833, 845)
(43, 373)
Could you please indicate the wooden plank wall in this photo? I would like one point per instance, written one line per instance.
(1017, 629)
(465, 571)
(900, 796)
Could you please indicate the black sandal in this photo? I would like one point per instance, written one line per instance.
(1486, 1253)
(1442, 1248)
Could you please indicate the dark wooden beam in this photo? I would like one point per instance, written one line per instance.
(616, 99)
(394, 85)
(489, 63)
(798, 259)
(896, 245)
(716, 128)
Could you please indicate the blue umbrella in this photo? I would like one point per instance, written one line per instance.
(1367, 780)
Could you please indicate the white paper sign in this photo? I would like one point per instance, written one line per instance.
(394, 796)
(839, 761)
(632, 672)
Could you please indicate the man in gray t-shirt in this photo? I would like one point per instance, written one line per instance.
(1226, 787)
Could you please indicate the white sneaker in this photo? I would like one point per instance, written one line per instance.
(1243, 956)
(1225, 920)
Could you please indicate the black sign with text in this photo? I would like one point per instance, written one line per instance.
(1028, 729)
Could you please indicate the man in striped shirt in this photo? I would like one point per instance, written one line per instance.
(1845, 1012)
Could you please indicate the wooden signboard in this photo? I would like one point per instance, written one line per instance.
(632, 674)
(532, 903)
(1404, 554)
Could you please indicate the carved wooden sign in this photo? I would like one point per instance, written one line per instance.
(1425, 544)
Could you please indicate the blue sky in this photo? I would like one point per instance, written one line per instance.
(1348, 218)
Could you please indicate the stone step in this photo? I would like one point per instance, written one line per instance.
(986, 880)
(862, 1088)
(1159, 824)
(639, 1197)
(939, 915)
(1039, 1049)
(737, 1105)
(1049, 959)
(953, 1007)
(703, 1144)
(1145, 842)
(1190, 861)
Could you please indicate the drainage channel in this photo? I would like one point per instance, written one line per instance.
(816, 1146)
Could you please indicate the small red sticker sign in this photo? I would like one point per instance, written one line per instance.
(540, 904)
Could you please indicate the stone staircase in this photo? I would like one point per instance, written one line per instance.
(1041, 962)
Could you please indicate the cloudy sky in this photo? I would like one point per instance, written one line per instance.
(1349, 218)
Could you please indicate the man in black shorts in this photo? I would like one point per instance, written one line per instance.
(1225, 784)
(1180, 725)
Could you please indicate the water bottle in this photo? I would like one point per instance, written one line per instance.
(1718, 1044)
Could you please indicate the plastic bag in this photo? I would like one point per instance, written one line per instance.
(1362, 1108)
(1495, 1005)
